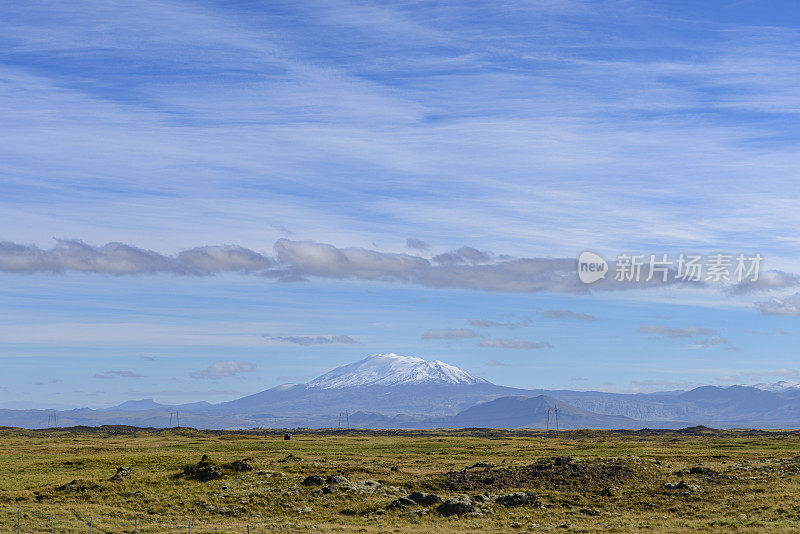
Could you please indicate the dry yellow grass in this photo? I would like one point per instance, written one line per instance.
(66, 473)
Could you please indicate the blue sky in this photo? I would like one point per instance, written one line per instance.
(529, 133)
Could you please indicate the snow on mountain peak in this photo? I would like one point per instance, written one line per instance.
(390, 370)
(782, 385)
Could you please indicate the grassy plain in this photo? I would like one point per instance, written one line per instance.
(585, 481)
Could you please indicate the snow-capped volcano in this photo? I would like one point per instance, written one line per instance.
(391, 370)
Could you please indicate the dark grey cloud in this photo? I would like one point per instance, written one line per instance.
(117, 374)
(676, 333)
(75, 255)
(786, 306)
(416, 244)
(122, 259)
(459, 269)
(462, 255)
(513, 344)
(319, 259)
(312, 340)
(450, 333)
(567, 314)
(224, 369)
(296, 261)
(496, 363)
(219, 258)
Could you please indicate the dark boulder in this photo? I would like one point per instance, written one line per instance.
(402, 502)
(240, 466)
(425, 499)
(518, 499)
(204, 470)
(313, 480)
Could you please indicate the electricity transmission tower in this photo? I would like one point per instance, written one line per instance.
(177, 418)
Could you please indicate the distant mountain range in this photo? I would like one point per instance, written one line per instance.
(391, 391)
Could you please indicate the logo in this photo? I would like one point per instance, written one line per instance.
(591, 267)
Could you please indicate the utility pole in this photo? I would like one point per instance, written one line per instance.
(178, 416)
(340, 420)
(170, 419)
(347, 414)
(548, 419)
(556, 418)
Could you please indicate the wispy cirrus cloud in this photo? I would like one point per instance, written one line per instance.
(552, 116)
